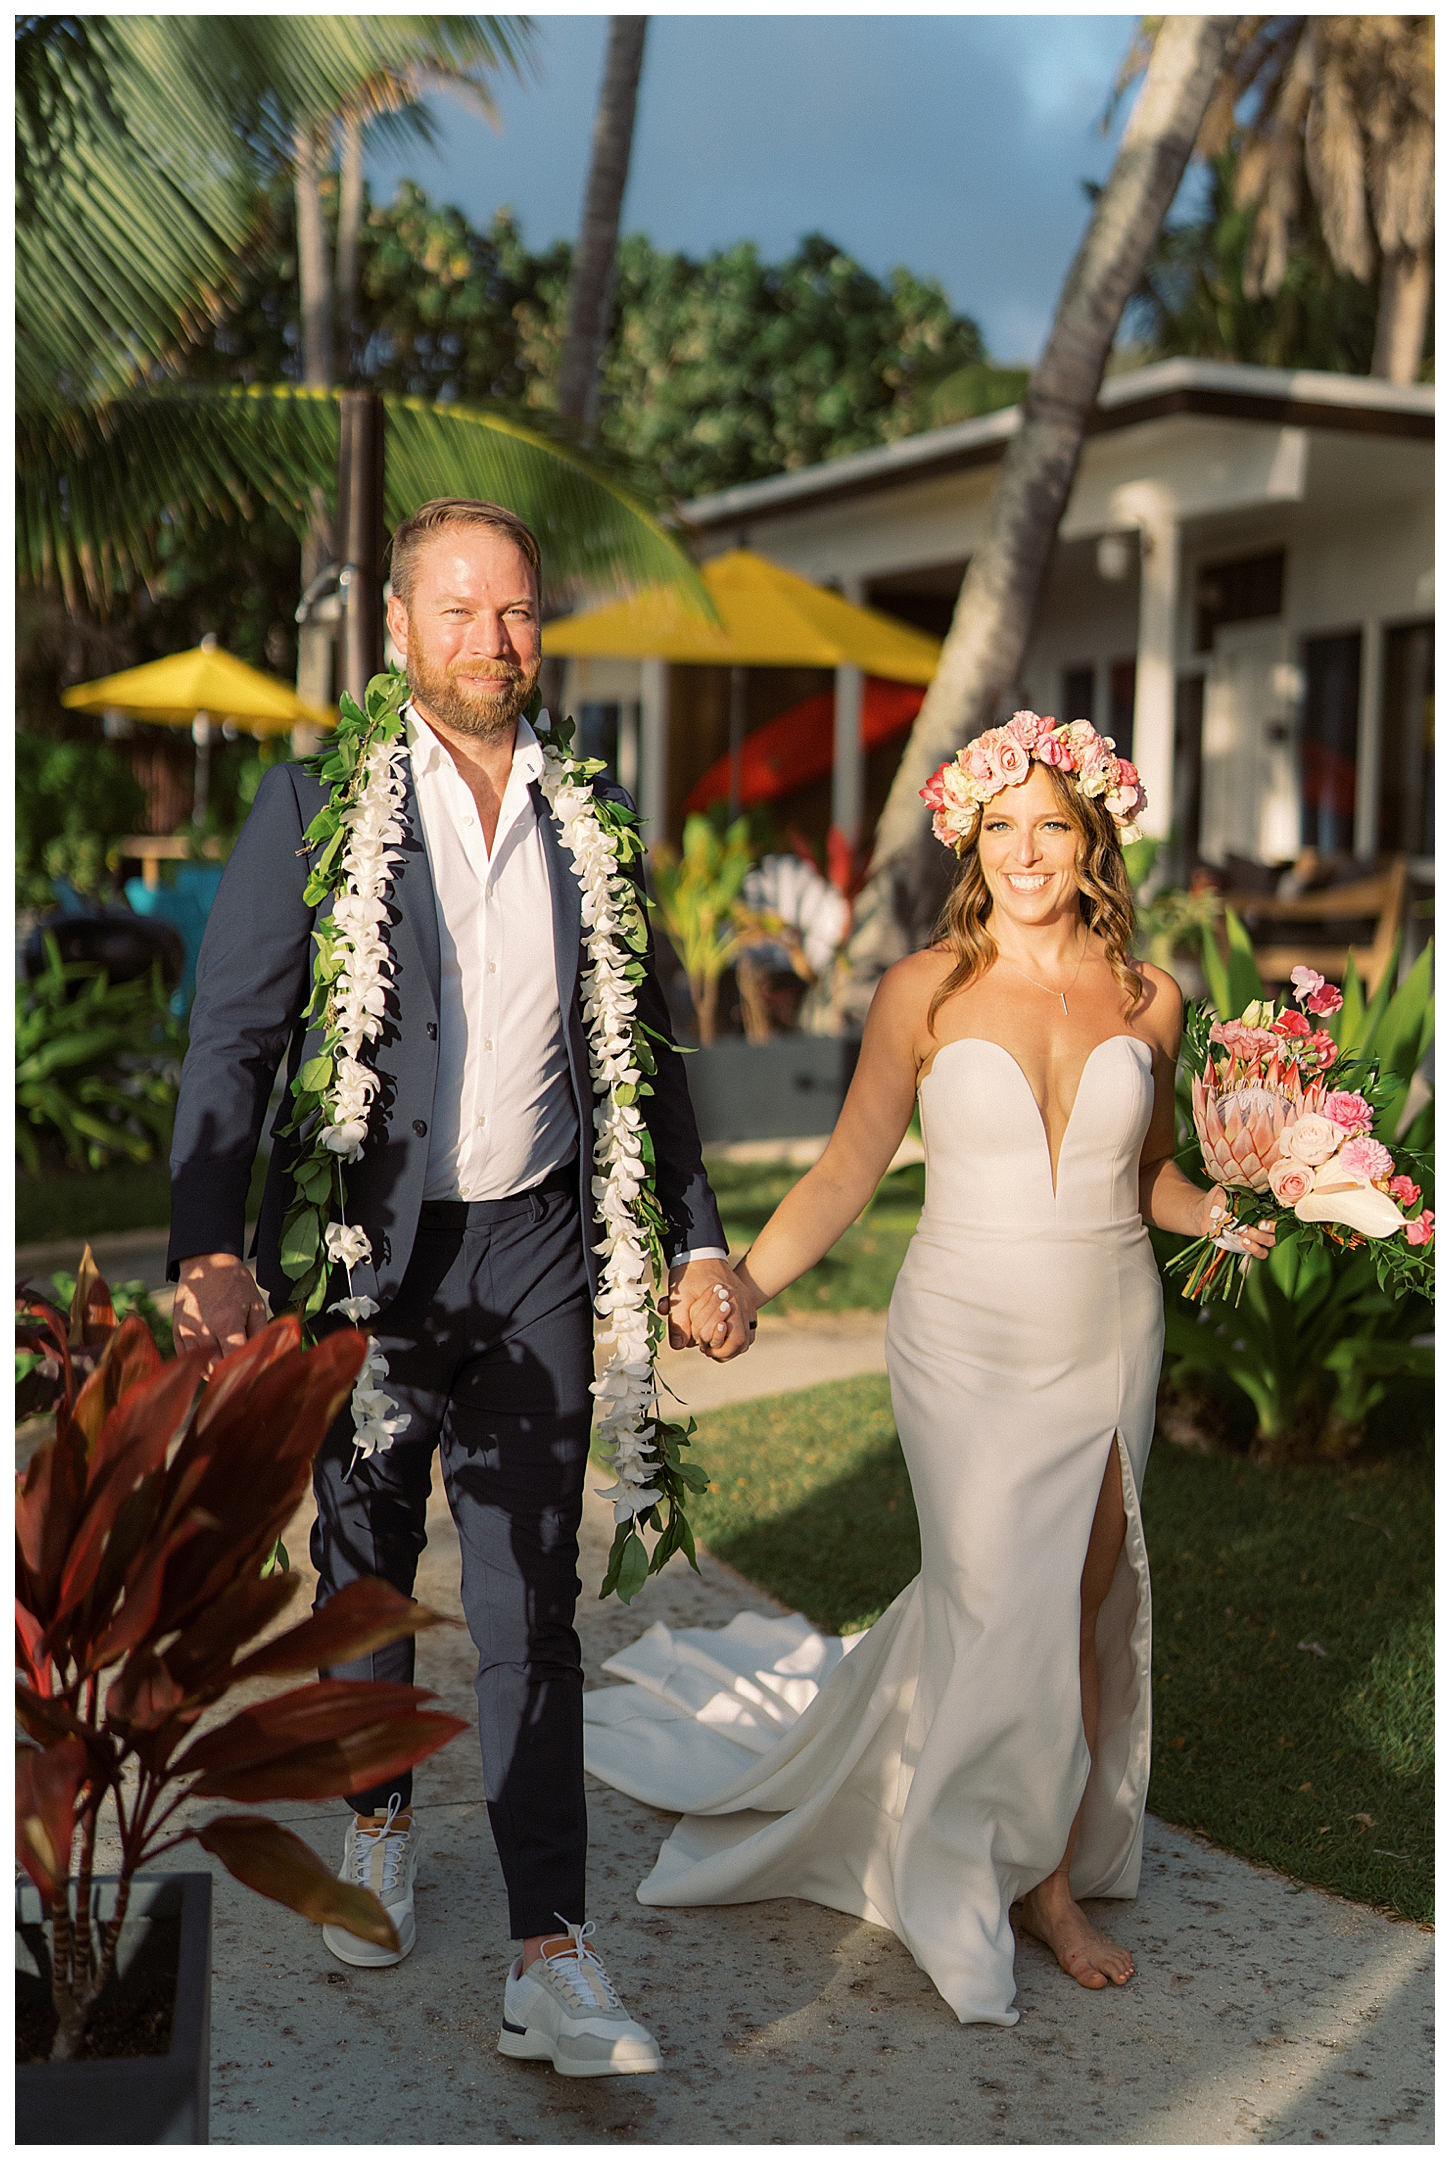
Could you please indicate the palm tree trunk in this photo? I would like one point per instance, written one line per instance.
(984, 648)
(349, 225)
(591, 284)
(314, 283)
(1399, 334)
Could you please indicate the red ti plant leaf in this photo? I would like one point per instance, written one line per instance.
(130, 1356)
(362, 1617)
(201, 1656)
(47, 1508)
(270, 1859)
(142, 1602)
(325, 1769)
(325, 1710)
(92, 1315)
(47, 1781)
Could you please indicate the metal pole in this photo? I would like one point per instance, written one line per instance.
(361, 536)
(737, 739)
(201, 736)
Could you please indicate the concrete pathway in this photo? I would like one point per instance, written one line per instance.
(1260, 2014)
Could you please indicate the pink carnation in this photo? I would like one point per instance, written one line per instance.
(1404, 1190)
(1367, 1159)
(1350, 1112)
(1289, 1181)
(1422, 1229)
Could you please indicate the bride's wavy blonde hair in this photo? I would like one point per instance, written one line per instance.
(1105, 899)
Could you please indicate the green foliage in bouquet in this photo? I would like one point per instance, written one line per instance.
(96, 1064)
(1324, 1329)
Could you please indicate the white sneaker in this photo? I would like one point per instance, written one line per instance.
(384, 1859)
(564, 2010)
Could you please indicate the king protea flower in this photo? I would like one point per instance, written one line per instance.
(1240, 1128)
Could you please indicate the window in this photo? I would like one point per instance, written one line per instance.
(1407, 741)
(1122, 696)
(1078, 689)
(1329, 742)
(1248, 589)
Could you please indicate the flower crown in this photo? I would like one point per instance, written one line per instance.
(1003, 758)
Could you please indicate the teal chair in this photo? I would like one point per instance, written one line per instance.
(185, 904)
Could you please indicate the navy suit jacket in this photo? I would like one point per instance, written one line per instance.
(252, 984)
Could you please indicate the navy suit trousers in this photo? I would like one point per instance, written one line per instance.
(489, 1347)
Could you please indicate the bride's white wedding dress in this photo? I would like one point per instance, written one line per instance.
(926, 1775)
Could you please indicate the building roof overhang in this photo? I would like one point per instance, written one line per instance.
(1274, 397)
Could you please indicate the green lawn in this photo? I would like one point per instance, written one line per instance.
(860, 1271)
(1318, 1766)
(90, 1203)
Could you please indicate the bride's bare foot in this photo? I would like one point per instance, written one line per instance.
(1083, 1951)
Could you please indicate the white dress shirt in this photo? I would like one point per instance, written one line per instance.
(504, 1115)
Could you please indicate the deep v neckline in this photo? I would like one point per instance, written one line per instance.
(1052, 1166)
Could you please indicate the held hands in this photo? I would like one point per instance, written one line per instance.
(709, 1309)
(1255, 1239)
(218, 1305)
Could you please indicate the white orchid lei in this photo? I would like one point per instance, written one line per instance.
(355, 832)
(333, 1093)
(651, 1480)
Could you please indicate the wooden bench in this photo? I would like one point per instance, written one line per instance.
(1379, 896)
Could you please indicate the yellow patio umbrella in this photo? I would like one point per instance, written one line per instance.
(769, 617)
(201, 689)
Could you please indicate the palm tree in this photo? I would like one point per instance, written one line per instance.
(983, 651)
(591, 281)
(1346, 103)
(141, 142)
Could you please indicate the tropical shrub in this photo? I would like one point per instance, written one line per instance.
(97, 1064)
(697, 891)
(1320, 1335)
(72, 799)
(144, 1535)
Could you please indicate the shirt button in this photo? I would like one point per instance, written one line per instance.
(493, 967)
(488, 1042)
(419, 1127)
(483, 1121)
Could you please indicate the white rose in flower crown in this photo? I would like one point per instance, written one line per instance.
(1311, 1139)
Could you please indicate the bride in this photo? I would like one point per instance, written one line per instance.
(984, 1748)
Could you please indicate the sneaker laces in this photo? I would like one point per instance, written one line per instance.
(395, 1847)
(580, 1969)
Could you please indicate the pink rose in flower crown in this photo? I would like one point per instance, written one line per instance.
(1405, 1190)
(1050, 751)
(1029, 728)
(1012, 762)
(1289, 1181)
(978, 763)
(1367, 1159)
(1422, 1229)
(1350, 1112)
(1312, 1139)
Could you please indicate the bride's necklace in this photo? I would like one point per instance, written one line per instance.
(1047, 987)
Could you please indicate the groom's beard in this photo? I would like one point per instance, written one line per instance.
(474, 697)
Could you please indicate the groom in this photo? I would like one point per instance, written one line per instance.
(474, 1189)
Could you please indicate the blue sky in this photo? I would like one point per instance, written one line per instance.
(953, 143)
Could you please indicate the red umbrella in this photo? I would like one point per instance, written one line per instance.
(798, 747)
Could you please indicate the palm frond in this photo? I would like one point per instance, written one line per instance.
(141, 140)
(96, 488)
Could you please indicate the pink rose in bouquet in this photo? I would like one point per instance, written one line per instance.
(1350, 1112)
(1290, 1180)
(1313, 1139)
(1368, 1160)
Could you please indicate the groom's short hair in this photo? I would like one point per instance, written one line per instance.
(436, 517)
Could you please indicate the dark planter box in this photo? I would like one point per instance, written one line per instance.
(136, 2099)
(787, 1089)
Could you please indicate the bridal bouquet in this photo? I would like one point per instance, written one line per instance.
(1291, 1147)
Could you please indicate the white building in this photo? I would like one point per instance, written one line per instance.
(1241, 594)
